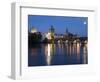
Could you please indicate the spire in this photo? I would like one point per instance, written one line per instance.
(52, 29)
(66, 30)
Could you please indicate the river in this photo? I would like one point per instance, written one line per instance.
(57, 54)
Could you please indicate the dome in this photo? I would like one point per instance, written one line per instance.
(33, 30)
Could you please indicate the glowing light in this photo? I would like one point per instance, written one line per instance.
(48, 49)
(85, 41)
(85, 54)
(85, 23)
(73, 48)
(78, 48)
(74, 41)
(59, 41)
(48, 57)
(48, 60)
(33, 30)
(48, 35)
(66, 41)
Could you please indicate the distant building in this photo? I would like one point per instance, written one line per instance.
(52, 30)
(67, 31)
(48, 36)
(34, 30)
(59, 35)
(43, 36)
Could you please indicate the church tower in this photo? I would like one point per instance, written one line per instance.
(67, 31)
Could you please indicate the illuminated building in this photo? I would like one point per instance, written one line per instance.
(50, 34)
(33, 30)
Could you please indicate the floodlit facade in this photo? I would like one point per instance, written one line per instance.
(33, 30)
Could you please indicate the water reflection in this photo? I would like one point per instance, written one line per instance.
(57, 54)
(85, 54)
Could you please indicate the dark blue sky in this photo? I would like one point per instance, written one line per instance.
(75, 25)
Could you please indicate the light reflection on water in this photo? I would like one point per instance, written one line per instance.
(57, 54)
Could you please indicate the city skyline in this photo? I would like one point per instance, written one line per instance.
(75, 25)
(57, 40)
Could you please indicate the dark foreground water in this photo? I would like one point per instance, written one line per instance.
(57, 54)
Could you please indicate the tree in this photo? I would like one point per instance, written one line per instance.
(45, 40)
(35, 37)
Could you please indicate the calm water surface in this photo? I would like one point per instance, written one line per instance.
(57, 54)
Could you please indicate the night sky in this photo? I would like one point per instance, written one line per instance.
(75, 25)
